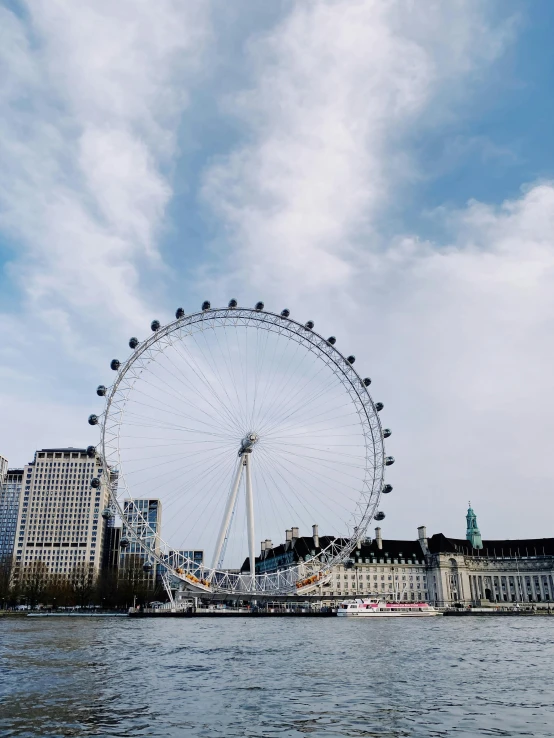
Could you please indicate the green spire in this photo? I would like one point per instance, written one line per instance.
(473, 534)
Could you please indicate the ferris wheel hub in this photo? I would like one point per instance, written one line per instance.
(247, 443)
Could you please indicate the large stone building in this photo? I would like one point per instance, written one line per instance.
(59, 519)
(443, 571)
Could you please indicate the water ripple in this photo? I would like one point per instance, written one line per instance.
(447, 678)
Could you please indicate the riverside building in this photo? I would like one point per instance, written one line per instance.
(446, 572)
(59, 521)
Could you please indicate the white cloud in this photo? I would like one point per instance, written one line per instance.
(455, 334)
(336, 85)
(92, 96)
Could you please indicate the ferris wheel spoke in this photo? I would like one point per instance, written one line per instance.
(286, 478)
(172, 409)
(298, 394)
(221, 408)
(275, 398)
(234, 417)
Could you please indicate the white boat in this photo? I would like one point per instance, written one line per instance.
(373, 608)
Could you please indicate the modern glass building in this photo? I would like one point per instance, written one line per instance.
(144, 520)
(11, 481)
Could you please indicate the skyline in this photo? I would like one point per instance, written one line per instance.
(382, 171)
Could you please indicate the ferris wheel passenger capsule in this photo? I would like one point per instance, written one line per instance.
(179, 313)
(379, 406)
(387, 433)
(389, 461)
(367, 382)
(93, 419)
(387, 489)
(259, 306)
(107, 513)
(95, 482)
(332, 340)
(309, 325)
(133, 342)
(91, 452)
(285, 313)
(147, 567)
(100, 390)
(155, 325)
(350, 359)
(233, 303)
(206, 305)
(380, 515)
(124, 543)
(115, 364)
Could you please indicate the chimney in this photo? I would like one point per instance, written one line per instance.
(268, 545)
(378, 539)
(288, 535)
(262, 550)
(422, 535)
(295, 534)
(315, 533)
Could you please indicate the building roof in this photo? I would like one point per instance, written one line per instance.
(304, 546)
(439, 543)
(64, 448)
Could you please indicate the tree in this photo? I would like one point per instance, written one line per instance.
(81, 581)
(6, 569)
(33, 582)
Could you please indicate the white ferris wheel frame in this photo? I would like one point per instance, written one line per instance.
(302, 576)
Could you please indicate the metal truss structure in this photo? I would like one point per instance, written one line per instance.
(302, 576)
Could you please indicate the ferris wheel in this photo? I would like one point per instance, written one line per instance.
(242, 425)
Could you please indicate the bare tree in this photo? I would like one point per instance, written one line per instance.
(33, 582)
(6, 569)
(81, 581)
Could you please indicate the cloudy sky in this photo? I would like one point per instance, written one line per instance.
(384, 168)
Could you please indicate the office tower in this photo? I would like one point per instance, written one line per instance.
(59, 520)
(10, 493)
(144, 517)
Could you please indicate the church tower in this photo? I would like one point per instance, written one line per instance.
(473, 534)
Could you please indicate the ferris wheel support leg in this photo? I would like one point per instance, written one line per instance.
(227, 515)
(250, 519)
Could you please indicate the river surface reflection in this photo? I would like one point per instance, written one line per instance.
(273, 677)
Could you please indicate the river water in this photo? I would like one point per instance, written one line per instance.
(276, 677)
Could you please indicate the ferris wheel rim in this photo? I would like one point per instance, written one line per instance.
(324, 349)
